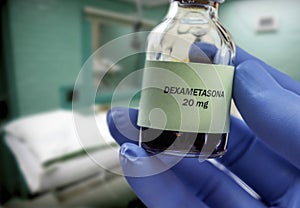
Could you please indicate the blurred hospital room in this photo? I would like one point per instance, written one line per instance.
(65, 63)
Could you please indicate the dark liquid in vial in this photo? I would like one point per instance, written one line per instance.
(187, 144)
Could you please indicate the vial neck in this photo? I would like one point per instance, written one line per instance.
(197, 2)
(179, 6)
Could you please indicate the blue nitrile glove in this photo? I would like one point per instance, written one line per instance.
(264, 151)
(202, 52)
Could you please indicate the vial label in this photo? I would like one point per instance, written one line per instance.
(190, 97)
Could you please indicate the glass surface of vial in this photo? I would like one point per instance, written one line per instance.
(191, 32)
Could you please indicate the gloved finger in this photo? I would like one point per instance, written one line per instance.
(282, 79)
(162, 189)
(122, 123)
(251, 160)
(272, 112)
(241, 56)
(212, 185)
(201, 52)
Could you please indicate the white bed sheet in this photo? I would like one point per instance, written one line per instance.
(50, 137)
(54, 134)
(40, 179)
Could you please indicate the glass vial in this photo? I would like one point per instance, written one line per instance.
(190, 42)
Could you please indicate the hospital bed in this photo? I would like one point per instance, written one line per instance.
(55, 159)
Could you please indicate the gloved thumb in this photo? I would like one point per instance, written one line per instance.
(153, 181)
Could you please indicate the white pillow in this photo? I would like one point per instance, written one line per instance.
(53, 135)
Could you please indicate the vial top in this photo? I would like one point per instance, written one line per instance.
(200, 1)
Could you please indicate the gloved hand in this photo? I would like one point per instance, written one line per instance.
(263, 151)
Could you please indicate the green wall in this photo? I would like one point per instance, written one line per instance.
(281, 48)
(48, 43)
(3, 90)
(45, 51)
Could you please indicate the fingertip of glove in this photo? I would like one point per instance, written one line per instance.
(127, 152)
(122, 124)
(131, 151)
(109, 117)
(135, 162)
(111, 114)
(251, 78)
(118, 112)
(247, 67)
